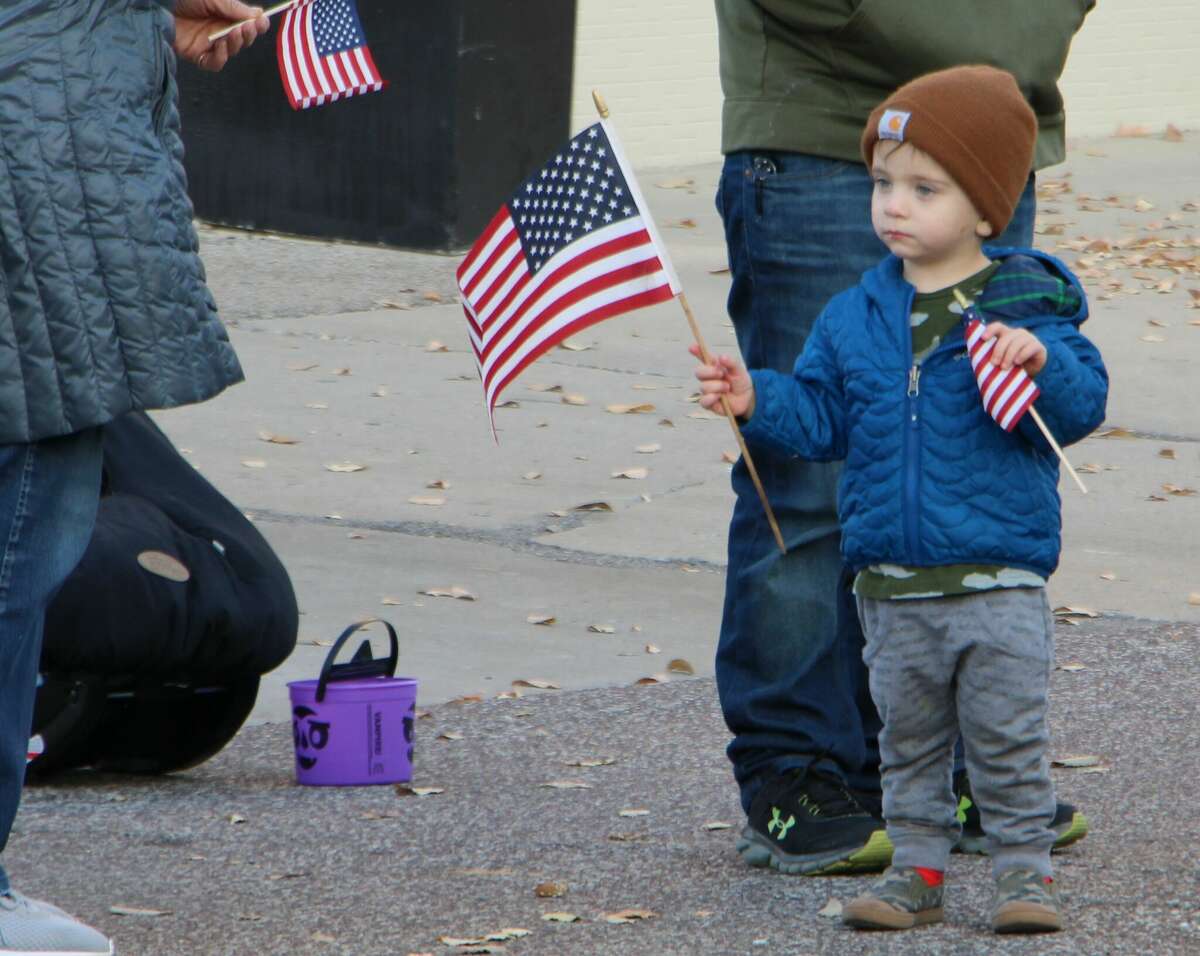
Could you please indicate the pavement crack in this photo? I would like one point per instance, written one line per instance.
(519, 538)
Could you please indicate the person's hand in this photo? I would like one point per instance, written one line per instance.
(727, 378)
(196, 19)
(1015, 347)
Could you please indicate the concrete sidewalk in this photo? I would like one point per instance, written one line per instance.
(360, 355)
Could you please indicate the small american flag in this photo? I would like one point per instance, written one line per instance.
(572, 246)
(1007, 393)
(323, 55)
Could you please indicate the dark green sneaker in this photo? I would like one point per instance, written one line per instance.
(1069, 824)
(807, 822)
(899, 899)
(1026, 902)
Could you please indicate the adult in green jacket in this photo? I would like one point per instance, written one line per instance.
(800, 78)
(103, 310)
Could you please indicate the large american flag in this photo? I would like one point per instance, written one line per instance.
(323, 54)
(1007, 393)
(573, 245)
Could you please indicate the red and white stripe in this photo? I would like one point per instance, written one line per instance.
(515, 315)
(1007, 393)
(312, 80)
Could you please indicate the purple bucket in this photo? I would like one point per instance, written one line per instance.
(354, 724)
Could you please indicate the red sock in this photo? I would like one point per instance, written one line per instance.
(931, 877)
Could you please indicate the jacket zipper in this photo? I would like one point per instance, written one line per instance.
(912, 452)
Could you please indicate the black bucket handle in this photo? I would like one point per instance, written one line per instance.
(362, 664)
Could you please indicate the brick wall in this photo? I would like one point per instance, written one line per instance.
(1134, 63)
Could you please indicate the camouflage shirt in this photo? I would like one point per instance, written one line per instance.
(934, 315)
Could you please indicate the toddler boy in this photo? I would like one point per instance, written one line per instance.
(950, 521)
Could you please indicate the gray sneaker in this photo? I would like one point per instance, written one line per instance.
(1025, 903)
(899, 899)
(30, 928)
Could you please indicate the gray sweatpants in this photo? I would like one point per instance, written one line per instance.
(978, 664)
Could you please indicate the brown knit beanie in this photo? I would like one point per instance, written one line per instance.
(973, 121)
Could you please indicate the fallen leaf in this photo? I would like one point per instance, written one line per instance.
(119, 909)
(573, 345)
(344, 467)
(566, 785)
(560, 917)
(432, 297)
(666, 423)
(408, 790)
(716, 825)
(431, 501)
(729, 457)
(1179, 492)
(574, 400)
(537, 682)
(544, 388)
(594, 506)
(301, 366)
(254, 463)
(277, 439)
(317, 405)
(648, 681)
(509, 932)
(602, 628)
(705, 415)
(545, 620)
(684, 182)
(629, 916)
(1143, 205)
(341, 371)
(649, 449)
(680, 666)
(1067, 610)
(450, 735)
(236, 818)
(593, 762)
(1167, 453)
(634, 812)
(392, 602)
(380, 392)
(642, 409)
(1152, 338)
(1071, 667)
(1079, 760)
(1131, 129)
(1115, 433)
(651, 649)
(550, 890)
(1172, 134)
(435, 346)
(454, 591)
(633, 473)
(509, 403)
(326, 938)
(438, 483)
(831, 909)
(683, 224)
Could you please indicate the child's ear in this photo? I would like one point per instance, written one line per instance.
(983, 229)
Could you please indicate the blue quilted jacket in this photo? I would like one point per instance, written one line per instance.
(929, 478)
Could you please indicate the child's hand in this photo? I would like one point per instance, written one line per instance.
(724, 378)
(1015, 347)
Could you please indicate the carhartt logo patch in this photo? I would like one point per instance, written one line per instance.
(892, 123)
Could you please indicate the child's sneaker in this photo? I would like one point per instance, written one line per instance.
(899, 899)
(1025, 903)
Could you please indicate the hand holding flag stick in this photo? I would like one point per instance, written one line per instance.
(268, 13)
(1006, 393)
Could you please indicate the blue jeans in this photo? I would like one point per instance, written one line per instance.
(49, 492)
(789, 666)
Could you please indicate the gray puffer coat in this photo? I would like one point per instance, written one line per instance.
(103, 302)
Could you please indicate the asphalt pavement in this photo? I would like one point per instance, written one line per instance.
(585, 551)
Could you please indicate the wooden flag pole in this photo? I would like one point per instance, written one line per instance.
(1037, 419)
(214, 37)
(602, 109)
